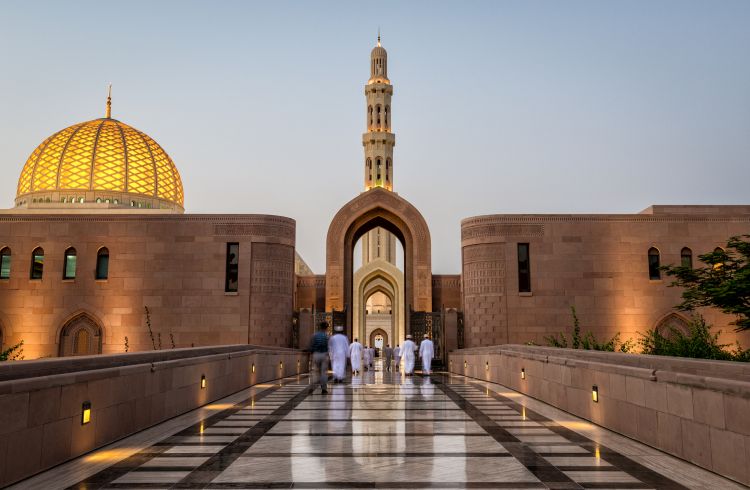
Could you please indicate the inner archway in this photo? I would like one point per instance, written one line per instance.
(387, 280)
(372, 209)
(378, 339)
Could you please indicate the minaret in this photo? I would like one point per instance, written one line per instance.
(378, 142)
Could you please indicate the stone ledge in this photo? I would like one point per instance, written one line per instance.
(674, 398)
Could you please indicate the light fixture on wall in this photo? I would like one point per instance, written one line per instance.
(595, 394)
(203, 381)
(253, 369)
(487, 366)
(523, 373)
(281, 365)
(85, 413)
(466, 364)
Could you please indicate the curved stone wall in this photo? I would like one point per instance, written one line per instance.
(173, 264)
(597, 263)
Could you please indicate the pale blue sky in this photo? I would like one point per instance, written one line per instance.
(499, 107)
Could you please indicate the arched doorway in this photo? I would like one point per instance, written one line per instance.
(80, 336)
(372, 209)
(672, 323)
(388, 280)
(379, 339)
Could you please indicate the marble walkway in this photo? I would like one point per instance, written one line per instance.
(378, 430)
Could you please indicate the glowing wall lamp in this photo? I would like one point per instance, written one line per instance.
(281, 365)
(595, 394)
(487, 366)
(203, 381)
(466, 364)
(85, 413)
(523, 373)
(253, 368)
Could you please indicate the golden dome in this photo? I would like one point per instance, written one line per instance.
(103, 161)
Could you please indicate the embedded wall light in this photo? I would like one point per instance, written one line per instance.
(281, 365)
(487, 366)
(466, 364)
(85, 413)
(523, 373)
(595, 394)
(253, 368)
(203, 381)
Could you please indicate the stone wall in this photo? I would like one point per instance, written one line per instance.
(597, 263)
(40, 411)
(446, 291)
(693, 409)
(173, 264)
(311, 292)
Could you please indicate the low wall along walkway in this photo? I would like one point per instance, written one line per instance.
(42, 402)
(698, 410)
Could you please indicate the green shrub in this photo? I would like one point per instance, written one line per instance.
(12, 353)
(588, 341)
(698, 342)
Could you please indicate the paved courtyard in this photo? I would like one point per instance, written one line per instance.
(378, 431)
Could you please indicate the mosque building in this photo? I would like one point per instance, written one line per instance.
(98, 256)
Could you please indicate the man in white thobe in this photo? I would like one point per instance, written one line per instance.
(426, 353)
(408, 352)
(355, 355)
(397, 357)
(338, 349)
(368, 358)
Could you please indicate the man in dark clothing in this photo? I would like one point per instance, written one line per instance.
(319, 349)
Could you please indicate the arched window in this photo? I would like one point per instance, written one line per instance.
(686, 257)
(377, 168)
(98, 200)
(653, 264)
(369, 113)
(378, 111)
(102, 263)
(69, 264)
(37, 263)
(80, 336)
(387, 113)
(5, 263)
(387, 168)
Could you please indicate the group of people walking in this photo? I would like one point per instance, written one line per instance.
(338, 349)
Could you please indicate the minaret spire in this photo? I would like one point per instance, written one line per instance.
(108, 113)
(378, 142)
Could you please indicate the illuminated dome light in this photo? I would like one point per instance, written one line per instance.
(104, 164)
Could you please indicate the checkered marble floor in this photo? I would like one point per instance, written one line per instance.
(384, 430)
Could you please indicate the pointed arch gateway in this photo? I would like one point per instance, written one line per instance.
(372, 209)
(81, 335)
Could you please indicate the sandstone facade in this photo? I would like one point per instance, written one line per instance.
(176, 265)
(597, 263)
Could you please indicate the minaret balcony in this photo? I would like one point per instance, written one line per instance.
(378, 137)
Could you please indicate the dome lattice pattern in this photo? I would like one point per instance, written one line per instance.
(102, 155)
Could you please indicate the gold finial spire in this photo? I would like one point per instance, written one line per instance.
(108, 113)
(378, 36)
